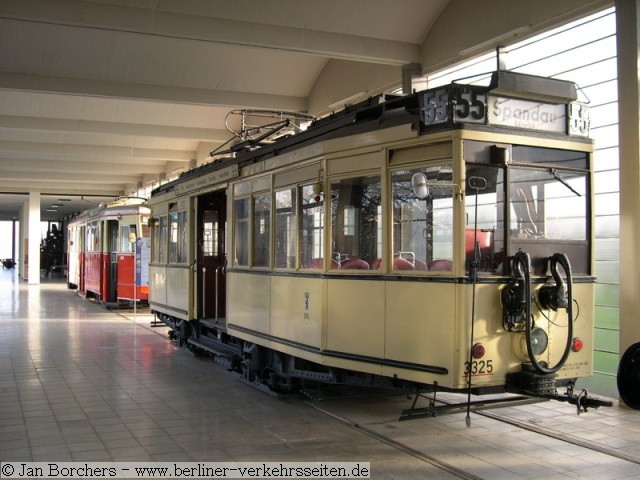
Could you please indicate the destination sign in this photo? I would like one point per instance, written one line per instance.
(473, 104)
(512, 112)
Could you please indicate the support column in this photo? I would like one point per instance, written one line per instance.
(34, 239)
(23, 233)
(628, 35)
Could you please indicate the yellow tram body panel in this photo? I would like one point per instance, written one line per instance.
(397, 328)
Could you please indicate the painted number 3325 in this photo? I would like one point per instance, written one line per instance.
(479, 367)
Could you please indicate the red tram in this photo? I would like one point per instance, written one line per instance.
(101, 251)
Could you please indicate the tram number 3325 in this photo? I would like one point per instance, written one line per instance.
(479, 367)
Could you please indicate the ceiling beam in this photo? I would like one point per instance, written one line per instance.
(60, 166)
(64, 178)
(112, 128)
(99, 152)
(211, 30)
(69, 189)
(137, 91)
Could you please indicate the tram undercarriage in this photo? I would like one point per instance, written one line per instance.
(277, 373)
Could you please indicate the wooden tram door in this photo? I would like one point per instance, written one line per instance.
(112, 248)
(211, 255)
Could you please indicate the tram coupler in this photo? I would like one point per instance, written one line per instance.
(582, 400)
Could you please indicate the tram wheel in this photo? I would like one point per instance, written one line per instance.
(629, 377)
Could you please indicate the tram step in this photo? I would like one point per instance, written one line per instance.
(213, 346)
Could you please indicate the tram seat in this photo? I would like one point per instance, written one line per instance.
(441, 265)
(402, 264)
(485, 240)
(354, 264)
(376, 264)
(420, 265)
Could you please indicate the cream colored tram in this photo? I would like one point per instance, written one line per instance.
(441, 238)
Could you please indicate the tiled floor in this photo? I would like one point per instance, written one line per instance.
(82, 383)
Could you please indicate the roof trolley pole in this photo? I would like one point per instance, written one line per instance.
(478, 184)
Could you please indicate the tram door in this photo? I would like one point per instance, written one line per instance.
(112, 248)
(211, 258)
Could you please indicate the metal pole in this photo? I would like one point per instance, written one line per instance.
(135, 280)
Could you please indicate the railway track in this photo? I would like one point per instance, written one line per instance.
(560, 436)
(372, 429)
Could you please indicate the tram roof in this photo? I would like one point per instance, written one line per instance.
(384, 111)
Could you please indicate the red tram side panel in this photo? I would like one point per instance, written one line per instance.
(102, 252)
(93, 273)
(128, 287)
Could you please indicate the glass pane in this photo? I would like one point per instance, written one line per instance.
(311, 227)
(261, 229)
(484, 186)
(356, 219)
(182, 238)
(241, 227)
(286, 229)
(548, 205)
(125, 245)
(423, 228)
(173, 237)
(162, 239)
(549, 156)
(210, 233)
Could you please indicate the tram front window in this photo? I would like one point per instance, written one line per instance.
(537, 203)
(484, 215)
(423, 227)
(547, 204)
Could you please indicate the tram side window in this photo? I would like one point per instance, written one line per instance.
(93, 237)
(356, 218)
(311, 236)
(286, 228)
(177, 237)
(183, 239)
(261, 229)
(484, 186)
(173, 237)
(125, 242)
(423, 227)
(241, 231)
(160, 241)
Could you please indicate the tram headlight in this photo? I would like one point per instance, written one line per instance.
(539, 343)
